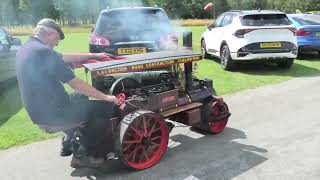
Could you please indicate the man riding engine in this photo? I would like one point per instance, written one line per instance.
(41, 73)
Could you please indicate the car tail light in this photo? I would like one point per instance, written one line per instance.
(302, 32)
(99, 40)
(241, 32)
(293, 30)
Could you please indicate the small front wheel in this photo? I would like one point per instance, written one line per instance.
(215, 116)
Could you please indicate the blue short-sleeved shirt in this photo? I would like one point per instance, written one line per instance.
(41, 73)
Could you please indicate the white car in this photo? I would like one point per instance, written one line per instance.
(250, 35)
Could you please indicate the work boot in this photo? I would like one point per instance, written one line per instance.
(78, 145)
(66, 149)
(111, 156)
(81, 151)
(86, 161)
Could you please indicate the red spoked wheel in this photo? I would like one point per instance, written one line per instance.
(145, 139)
(220, 112)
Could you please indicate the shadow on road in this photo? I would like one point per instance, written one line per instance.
(207, 157)
(10, 101)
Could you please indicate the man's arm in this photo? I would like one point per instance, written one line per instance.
(78, 57)
(84, 88)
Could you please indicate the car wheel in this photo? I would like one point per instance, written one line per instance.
(204, 53)
(300, 53)
(299, 56)
(286, 64)
(225, 58)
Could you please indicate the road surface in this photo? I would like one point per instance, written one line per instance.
(273, 133)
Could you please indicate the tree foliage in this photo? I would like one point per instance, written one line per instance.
(19, 12)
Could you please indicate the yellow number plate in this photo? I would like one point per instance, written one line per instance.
(132, 50)
(270, 45)
(317, 33)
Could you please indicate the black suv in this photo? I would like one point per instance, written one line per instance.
(8, 49)
(133, 30)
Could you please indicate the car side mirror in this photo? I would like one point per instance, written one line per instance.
(16, 42)
(92, 29)
(210, 27)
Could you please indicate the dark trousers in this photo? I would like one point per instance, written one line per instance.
(90, 117)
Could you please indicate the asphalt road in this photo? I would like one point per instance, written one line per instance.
(273, 133)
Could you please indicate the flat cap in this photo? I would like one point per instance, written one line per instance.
(52, 24)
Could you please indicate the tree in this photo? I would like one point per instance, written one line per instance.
(9, 12)
(25, 16)
(41, 9)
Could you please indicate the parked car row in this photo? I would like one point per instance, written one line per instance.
(234, 36)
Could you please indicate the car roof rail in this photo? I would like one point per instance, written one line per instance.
(272, 10)
(245, 12)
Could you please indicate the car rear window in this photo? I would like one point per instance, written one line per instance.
(265, 20)
(131, 20)
(308, 20)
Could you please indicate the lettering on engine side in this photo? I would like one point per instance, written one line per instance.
(167, 99)
(145, 66)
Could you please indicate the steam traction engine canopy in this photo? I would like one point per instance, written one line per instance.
(142, 62)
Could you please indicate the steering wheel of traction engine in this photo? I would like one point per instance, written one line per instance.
(121, 88)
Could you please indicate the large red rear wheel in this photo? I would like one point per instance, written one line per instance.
(143, 139)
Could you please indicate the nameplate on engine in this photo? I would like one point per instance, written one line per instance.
(144, 65)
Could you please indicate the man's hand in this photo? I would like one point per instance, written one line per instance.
(84, 88)
(80, 57)
(101, 56)
(113, 99)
